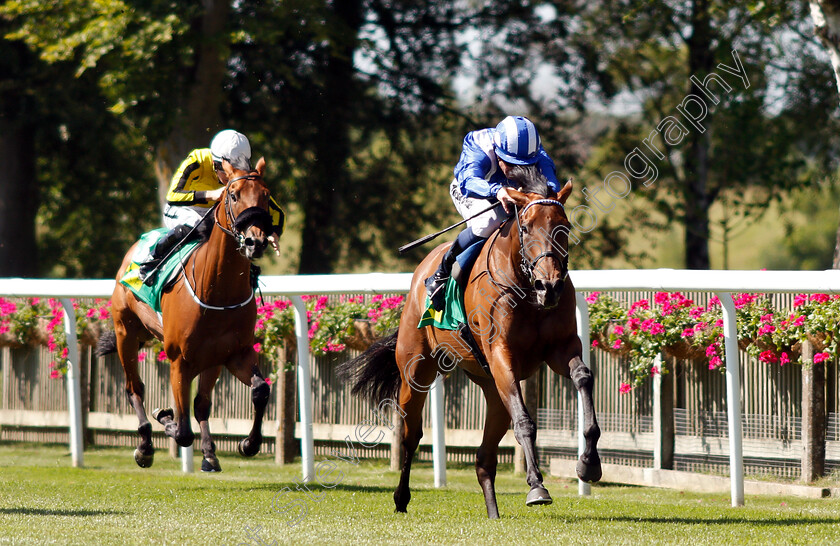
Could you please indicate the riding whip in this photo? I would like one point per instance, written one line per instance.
(428, 238)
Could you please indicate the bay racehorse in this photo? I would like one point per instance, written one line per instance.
(207, 323)
(520, 308)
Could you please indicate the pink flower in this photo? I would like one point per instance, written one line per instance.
(657, 329)
(800, 299)
(661, 297)
(162, 356)
(594, 342)
(268, 380)
(714, 301)
(321, 303)
(633, 323)
(313, 328)
(688, 332)
(593, 297)
(719, 323)
(654, 370)
(769, 357)
(647, 324)
(104, 313)
(624, 388)
(90, 313)
(55, 374)
(257, 347)
(641, 304)
(820, 357)
(784, 359)
(766, 329)
(141, 355)
(711, 350)
(619, 330)
(714, 362)
(800, 320)
(696, 312)
(617, 344)
(820, 298)
(768, 318)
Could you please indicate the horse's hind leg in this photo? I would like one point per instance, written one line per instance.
(420, 372)
(247, 371)
(135, 390)
(201, 406)
(497, 420)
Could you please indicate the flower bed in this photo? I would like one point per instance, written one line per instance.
(674, 325)
(334, 325)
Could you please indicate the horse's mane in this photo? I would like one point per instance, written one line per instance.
(205, 227)
(529, 179)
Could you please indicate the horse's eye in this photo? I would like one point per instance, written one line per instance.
(234, 197)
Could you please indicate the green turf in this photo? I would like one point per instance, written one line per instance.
(112, 501)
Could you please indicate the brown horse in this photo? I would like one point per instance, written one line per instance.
(208, 319)
(521, 310)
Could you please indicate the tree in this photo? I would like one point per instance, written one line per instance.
(826, 17)
(729, 140)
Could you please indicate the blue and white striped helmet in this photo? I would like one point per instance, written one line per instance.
(516, 140)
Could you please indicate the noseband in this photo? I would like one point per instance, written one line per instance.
(252, 216)
(527, 265)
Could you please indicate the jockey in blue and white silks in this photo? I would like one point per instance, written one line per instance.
(492, 160)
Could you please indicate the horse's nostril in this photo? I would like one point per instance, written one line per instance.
(539, 286)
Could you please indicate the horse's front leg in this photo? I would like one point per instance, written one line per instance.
(201, 406)
(570, 364)
(524, 428)
(180, 430)
(246, 370)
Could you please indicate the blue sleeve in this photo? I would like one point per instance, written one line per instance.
(546, 166)
(472, 168)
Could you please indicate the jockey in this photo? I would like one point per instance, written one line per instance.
(196, 186)
(492, 161)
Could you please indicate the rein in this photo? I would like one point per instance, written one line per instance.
(527, 266)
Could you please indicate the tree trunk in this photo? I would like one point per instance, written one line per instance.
(201, 116)
(696, 193)
(826, 17)
(327, 187)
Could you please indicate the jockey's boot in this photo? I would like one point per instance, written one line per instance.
(174, 237)
(436, 284)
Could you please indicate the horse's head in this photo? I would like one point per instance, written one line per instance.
(246, 211)
(544, 242)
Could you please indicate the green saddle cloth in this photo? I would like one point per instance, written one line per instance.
(453, 313)
(151, 294)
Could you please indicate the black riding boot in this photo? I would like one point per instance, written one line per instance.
(436, 284)
(175, 237)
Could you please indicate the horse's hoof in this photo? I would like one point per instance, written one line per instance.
(248, 449)
(160, 414)
(143, 460)
(208, 465)
(538, 495)
(589, 472)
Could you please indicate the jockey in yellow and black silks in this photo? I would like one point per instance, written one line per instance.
(196, 186)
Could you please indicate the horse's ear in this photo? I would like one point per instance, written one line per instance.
(260, 168)
(518, 197)
(565, 192)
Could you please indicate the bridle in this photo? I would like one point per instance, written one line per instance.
(245, 219)
(527, 265)
(238, 224)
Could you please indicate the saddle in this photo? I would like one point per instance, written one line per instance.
(168, 271)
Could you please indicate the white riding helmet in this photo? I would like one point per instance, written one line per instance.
(234, 147)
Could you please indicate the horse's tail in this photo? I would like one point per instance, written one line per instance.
(107, 343)
(374, 374)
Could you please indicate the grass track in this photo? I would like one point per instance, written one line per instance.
(112, 501)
